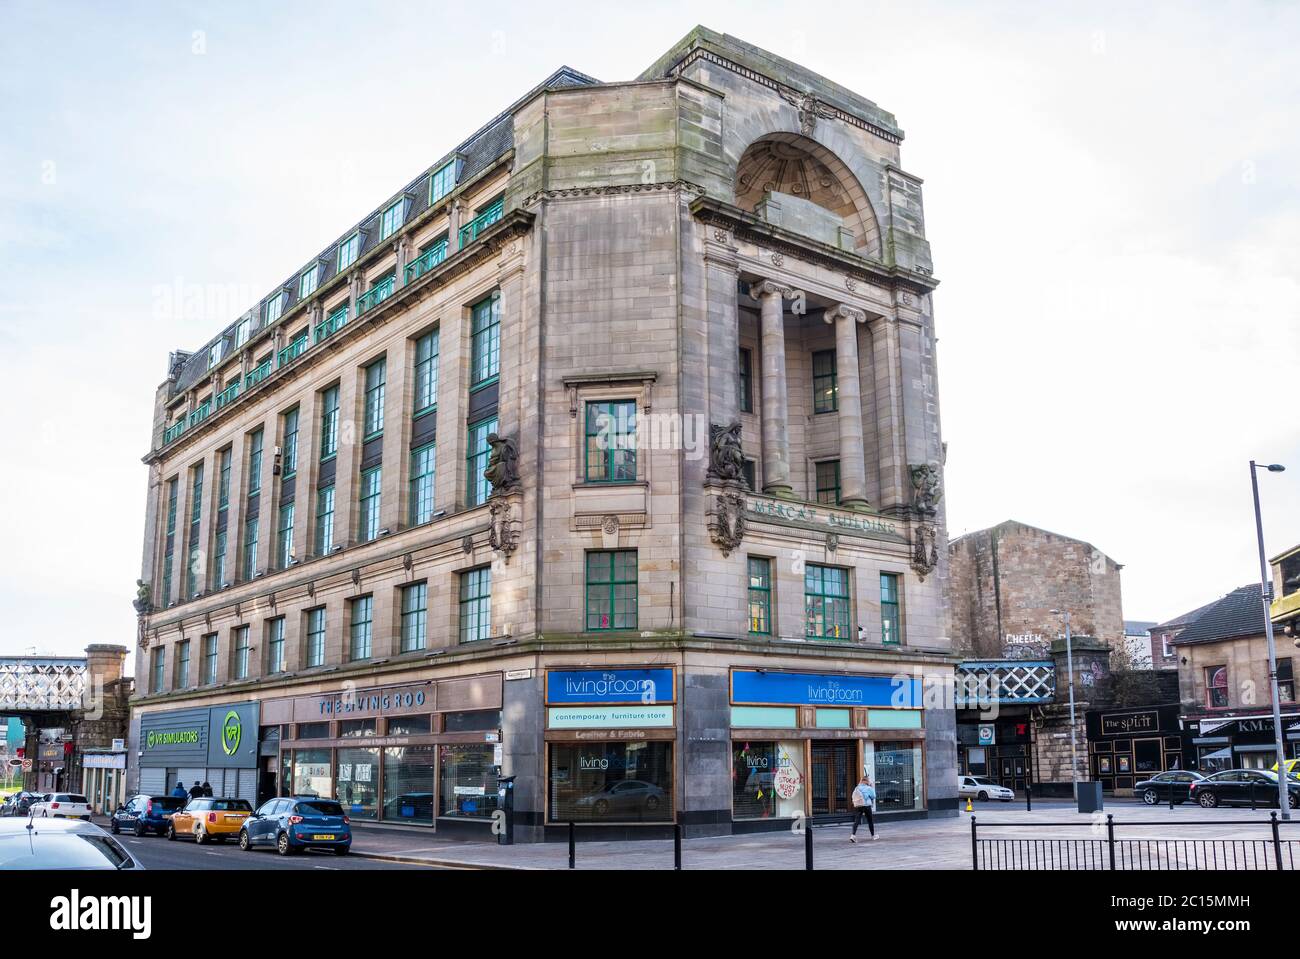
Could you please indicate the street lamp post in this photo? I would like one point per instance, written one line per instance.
(1074, 734)
(1283, 799)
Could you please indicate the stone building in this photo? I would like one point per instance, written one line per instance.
(604, 455)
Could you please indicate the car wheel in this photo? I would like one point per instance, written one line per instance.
(1150, 797)
(601, 807)
(171, 832)
(983, 796)
(113, 827)
(652, 803)
(341, 850)
(139, 829)
(1208, 800)
(245, 843)
(282, 845)
(200, 837)
(1292, 800)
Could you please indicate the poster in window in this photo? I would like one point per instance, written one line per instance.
(1123, 764)
(1103, 764)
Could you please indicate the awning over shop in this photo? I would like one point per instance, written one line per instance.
(1258, 748)
(1218, 754)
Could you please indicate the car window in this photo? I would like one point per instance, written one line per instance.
(231, 805)
(169, 803)
(319, 807)
(268, 808)
(197, 805)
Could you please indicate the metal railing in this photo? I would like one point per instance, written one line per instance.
(229, 394)
(200, 413)
(1107, 851)
(471, 230)
(375, 295)
(257, 374)
(291, 352)
(173, 431)
(425, 262)
(331, 324)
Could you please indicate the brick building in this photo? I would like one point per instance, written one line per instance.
(605, 455)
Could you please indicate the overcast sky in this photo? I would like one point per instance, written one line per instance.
(1111, 196)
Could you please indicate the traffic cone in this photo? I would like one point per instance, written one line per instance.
(969, 807)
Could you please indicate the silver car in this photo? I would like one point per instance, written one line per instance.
(36, 843)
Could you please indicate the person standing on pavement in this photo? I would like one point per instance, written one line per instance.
(864, 802)
(179, 792)
(207, 788)
(196, 790)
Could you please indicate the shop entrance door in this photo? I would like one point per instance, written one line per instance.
(1012, 772)
(832, 777)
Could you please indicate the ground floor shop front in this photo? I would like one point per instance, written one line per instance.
(621, 748)
(1239, 740)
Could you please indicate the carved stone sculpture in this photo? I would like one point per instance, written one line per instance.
(727, 521)
(143, 602)
(925, 487)
(503, 464)
(503, 533)
(726, 460)
(925, 550)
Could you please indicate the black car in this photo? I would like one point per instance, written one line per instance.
(1243, 787)
(143, 815)
(1156, 790)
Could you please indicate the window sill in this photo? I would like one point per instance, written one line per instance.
(485, 384)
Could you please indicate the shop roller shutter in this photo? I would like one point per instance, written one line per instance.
(153, 781)
(247, 784)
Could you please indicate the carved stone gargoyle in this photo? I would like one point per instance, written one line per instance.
(726, 459)
(503, 465)
(926, 492)
(143, 601)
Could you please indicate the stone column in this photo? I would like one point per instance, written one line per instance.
(853, 470)
(776, 442)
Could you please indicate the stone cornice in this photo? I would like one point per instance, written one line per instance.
(513, 225)
(614, 190)
(748, 227)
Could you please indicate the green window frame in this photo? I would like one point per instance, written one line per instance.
(173, 490)
(329, 423)
(611, 596)
(376, 379)
(828, 482)
(167, 580)
(223, 478)
(610, 448)
(285, 534)
(745, 380)
(423, 464)
(475, 604)
(348, 251)
(273, 309)
(196, 495)
(241, 652)
(157, 669)
(250, 548)
(826, 602)
(193, 571)
(442, 182)
(359, 638)
(243, 330)
(477, 452)
(415, 599)
(307, 282)
(255, 462)
(275, 646)
(183, 664)
(826, 390)
(324, 520)
(890, 620)
(219, 559)
(315, 637)
(372, 481)
(750, 470)
(290, 462)
(760, 595)
(209, 659)
(485, 341)
(426, 373)
(392, 219)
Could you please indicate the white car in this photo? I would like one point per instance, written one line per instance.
(977, 787)
(62, 806)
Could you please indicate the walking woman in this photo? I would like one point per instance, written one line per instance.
(864, 801)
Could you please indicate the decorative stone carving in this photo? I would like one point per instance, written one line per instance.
(925, 487)
(925, 551)
(778, 259)
(503, 464)
(143, 602)
(850, 284)
(503, 533)
(609, 527)
(726, 459)
(727, 521)
(832, 542)
(467, 544)
(810, 109)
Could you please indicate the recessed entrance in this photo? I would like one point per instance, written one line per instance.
(833, 776)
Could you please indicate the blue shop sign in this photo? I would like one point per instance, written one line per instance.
(750, 687)
(597, 687)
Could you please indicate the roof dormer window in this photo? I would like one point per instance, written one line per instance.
(442, 182)
(349, 249)
(308, 280)
(274, 307)
(243, 329)
(392, 219)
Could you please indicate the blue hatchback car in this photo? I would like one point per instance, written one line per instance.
(294, 823)
(144, 814)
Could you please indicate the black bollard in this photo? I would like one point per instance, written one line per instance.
(677, 845)
(1029, 803)
(573, 848)
(807, 845)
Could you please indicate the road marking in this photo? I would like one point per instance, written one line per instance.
(335, 868)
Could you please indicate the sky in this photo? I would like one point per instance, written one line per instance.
(1111, 198)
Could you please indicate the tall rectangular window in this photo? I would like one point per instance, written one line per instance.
(274, 307)
(223, 482)
(426, 372)
(1216, 686)
(828, 482)
(348, 251)
(173, 488)
(371, 483)
(183, 664)
(219, 559)
(826, 602)
(442, 182)
(376, 375)
(611, 442)
(307, 282)
(477, 453)
(156, 671)
(422, 468)
(243, 330)
(746, 381)
(250, 548)
(760, 595)
(391, 221)
(193, 570)
(241, 653)
(826, 391)
(414, 610)
(890, 624)
(315, 653)
(359, 640)
(611, 590)
(1285, 681)
(485, 341)
(255, 462)
(476, 604)
(285, 534)
(324, 520)
(290, 460)
(209, 659)
(275, 646)
(329, 423)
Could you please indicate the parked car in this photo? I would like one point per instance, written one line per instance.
(60, 844)
(1156, 790)
(1243, 787)
(978, 787)
(206, 818)
(294, 823)
(20, 803)
(144, 814)
(1292, 767)
(61, 806)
